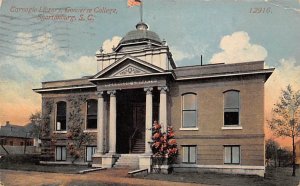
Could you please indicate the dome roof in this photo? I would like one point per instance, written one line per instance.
(140, 34)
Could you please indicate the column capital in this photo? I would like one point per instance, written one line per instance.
(163, 89)
(99, 94)
(112, 92)
(148, 90)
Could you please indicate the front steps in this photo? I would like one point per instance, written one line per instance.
(128, 160)
(139, 146)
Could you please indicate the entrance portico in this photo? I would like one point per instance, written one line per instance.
(119, 92)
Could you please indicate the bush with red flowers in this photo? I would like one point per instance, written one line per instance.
(164, 146)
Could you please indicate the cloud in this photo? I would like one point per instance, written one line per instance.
(40, 46)
(179, 55)
(18, 76)
(84, 65)
(237, 48)
(38, 61)
(110, 43)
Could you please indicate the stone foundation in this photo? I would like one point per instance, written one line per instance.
(227, 169)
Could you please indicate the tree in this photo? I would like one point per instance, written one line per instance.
(271, 150)
(285, 120)
(36, 121)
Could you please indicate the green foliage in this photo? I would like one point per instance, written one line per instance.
(44, 128)
(271, 149)
(76, 136)
(36, 121)
(286, 114)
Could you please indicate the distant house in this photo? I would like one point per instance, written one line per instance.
(13, 138)
(297, 148)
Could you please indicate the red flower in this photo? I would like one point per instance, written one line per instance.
(171, 134)
(156, 135)
(157, 126)
(156, 144)
(172, 142)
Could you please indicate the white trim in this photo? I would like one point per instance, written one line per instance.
(135, 43)
(140, 75)
(116, 74)
(86, 116)
(196, 128)
(55, 119)
(240, 154)
(90, 130)
(196, 110)
(63, 88)
(239, 94)
(119, 61)
(232, 128)
(225, 75)
(60, 131)
(196, 154)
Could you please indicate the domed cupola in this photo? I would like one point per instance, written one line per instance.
(140, 35)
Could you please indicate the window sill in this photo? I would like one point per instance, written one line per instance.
(189, 128)
(188, 162)
(234, 164)
(60, 132)
(232, 128)
(90, 130)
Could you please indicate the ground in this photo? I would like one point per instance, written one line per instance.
(279, 176)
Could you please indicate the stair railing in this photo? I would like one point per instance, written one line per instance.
(132, 139)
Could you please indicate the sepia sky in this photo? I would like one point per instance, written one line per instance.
(46, 40)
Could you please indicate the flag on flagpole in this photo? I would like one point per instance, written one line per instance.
(131, 3)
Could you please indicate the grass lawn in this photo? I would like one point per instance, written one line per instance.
(31, 163)
(274, 176)
(43, 168)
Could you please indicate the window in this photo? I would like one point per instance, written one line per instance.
(189, 113)
(61, 117)
(21, 143)
(61, 153)
(232, 154)
(231, 107)
(189, 154)
(11, 143)
(91, 118)
(89, 152)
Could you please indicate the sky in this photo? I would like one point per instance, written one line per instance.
(47, 40)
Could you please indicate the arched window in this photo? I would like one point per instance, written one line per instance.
(91, 118)
(231, 107)
(189, 110)
(61, 117)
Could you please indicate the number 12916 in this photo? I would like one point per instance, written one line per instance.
(260, 10)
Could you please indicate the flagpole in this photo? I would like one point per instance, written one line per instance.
(141, 11)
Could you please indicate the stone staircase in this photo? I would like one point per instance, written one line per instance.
(139, 146)
(128, 160)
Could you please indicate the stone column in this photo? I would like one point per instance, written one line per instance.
(149, 107)
(112, 122)
(100, 123)
(163, 108)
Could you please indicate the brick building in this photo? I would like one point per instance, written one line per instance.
(297, 149)
(216, 110)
